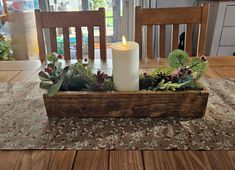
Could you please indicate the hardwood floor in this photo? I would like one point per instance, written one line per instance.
(91, 160)
(30, 159)
(113, 160)
(117, 160)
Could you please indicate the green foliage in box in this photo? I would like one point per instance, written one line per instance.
(76, 77)
(183, 73)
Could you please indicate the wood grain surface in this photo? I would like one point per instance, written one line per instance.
(128, 160)
(184, 160)
(91, 160)
(41, 160)
(219, 67)
(185, 104)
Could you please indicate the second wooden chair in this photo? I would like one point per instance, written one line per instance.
(172, 16)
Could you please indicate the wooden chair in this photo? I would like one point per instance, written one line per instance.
(64, 20)
(4, 16)
(172, 16)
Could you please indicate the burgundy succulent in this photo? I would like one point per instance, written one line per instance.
(100, 86)
(101, 76)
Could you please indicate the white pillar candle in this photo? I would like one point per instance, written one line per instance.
(126, 65)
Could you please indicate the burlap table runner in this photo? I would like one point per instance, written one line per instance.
(24, 125)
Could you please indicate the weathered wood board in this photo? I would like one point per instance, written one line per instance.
(186, 104)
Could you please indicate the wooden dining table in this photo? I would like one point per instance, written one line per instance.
(27, 71)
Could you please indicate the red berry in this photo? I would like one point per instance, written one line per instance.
(189, 71)
(145, 75)
(49, 69)
(203, 58)
(60, 56)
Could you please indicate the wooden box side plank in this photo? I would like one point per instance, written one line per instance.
(128, 104)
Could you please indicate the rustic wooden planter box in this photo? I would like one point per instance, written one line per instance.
(186, 104)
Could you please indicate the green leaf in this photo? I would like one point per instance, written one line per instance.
(186, 78)
(192, 85)
(55, 87)
(197, 65)
(170, 86)
(178, 58)
(44, 85)
(52, 57)
(163, 71)
(43, 76)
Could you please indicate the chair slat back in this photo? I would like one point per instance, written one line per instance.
(162, 40)
(149, 40)
(65, 20)
(175, 36)
(189, 36)
(79, 42)
(91, 42)
(53, 39)
(172, 16)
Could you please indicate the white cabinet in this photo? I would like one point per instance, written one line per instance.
(226, 51)
(229, 19)
(221, 29)
(227, 36)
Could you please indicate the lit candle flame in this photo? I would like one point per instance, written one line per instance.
(123, 40)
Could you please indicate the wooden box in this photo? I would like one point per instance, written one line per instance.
(185, 104)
